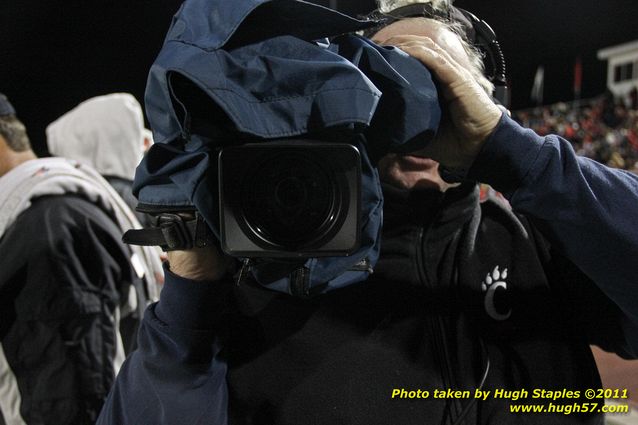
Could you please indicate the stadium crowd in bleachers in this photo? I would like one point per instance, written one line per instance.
(603, 128)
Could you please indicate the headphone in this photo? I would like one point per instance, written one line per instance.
(477, 32)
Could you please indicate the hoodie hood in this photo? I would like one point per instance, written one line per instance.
(105, 132)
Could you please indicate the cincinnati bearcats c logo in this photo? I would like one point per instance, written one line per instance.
(494, 281)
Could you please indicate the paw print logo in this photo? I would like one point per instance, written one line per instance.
(494, 281)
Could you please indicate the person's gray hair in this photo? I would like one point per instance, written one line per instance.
(14, 133)
(475, 56)
(386, 6)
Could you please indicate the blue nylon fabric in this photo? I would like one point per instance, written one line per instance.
(279, 87)
(408, 113)
(194, 46)
(255, 64)
(210, 24)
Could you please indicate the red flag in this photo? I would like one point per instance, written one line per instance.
(578, 77)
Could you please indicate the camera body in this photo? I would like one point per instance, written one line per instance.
(296, 198)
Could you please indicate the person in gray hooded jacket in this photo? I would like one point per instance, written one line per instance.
(71, 293)
(106, 132)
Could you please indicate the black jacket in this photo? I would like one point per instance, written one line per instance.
(63, 274)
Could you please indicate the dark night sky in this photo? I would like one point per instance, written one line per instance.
(57, 53)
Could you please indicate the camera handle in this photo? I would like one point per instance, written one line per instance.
(172, 232)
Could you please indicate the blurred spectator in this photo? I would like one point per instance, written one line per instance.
(68, 284)
(107, 133)
(633, 99)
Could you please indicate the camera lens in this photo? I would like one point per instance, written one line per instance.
(291, 199)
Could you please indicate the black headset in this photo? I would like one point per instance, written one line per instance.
(476, 31)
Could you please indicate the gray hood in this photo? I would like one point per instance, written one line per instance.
(105, 132)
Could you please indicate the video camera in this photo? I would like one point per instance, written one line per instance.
(268, 118)
(304, 200)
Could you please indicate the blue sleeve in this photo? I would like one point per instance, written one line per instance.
(588, 211)
(176, 375)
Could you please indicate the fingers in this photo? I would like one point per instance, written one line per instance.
(505, 110)
(202, 264)
(445, 68)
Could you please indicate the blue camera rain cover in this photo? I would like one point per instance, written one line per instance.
(259, 70)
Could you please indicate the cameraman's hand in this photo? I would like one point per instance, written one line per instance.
(206, 263)
(472, 113)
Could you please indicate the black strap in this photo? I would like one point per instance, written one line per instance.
(173, 232)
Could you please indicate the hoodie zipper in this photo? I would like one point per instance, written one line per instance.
(300, 282)
(436, 324)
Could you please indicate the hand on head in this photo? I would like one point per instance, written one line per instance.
(472, 113)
